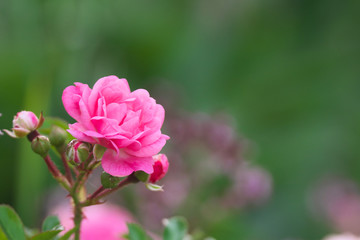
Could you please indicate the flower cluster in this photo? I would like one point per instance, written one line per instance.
(117, 128)
(126, 123)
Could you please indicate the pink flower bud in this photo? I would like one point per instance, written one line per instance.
(24, 123)
(77, 151)
(161, 166)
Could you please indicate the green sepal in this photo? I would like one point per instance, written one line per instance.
(41, 145)
(142, 176)
(154, 187)
(98, 151)
(109, 181)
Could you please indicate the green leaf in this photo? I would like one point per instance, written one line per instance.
(48, 235)
(2, 235)
(136, 232)
(51, 223)
(11, 224)
(175, 228)
(67, 235)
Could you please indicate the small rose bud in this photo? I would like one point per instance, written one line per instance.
(41, 145)
(23, 123)
(77, 151)
(57, 136)
(161, 166)
(98, 152)
(109, 181)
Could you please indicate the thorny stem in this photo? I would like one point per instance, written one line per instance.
(75, 194)
(74, 188)
(67, 168)
(77, 216)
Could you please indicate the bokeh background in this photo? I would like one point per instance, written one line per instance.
(288, 72)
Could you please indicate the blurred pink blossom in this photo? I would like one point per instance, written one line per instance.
(337, 201)
(343, 236)
(127, 123)
(104, 221)
(1, 133)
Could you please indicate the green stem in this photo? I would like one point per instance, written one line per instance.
(56, 173)
(95, 198)
(66, 167)
(77, 217)
(75, 194)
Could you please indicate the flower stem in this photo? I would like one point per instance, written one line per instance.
(56, 173)
(97, 192)
(67, 168)
(77, 217)
(94, 198)
(75, 193)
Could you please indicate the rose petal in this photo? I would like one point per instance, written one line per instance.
(149, 150)
(123, 164)
(116, 111)
(111, 87)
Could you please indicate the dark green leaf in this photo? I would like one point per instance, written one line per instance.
(48, 235)
(136, 232)
(11, 224)
(175, 228)
(51, 223)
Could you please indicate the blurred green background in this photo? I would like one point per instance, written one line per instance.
(288, 71)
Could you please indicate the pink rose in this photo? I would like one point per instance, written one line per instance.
(161, 166)
(126, 123)
(23, 123)
(104, 221)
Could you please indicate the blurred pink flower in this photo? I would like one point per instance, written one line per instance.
(127, 123)
(104, 221)
(1, 133)
(23, 123)
(344, 236)
(337, 200)
(252, 186)
(161, 166)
